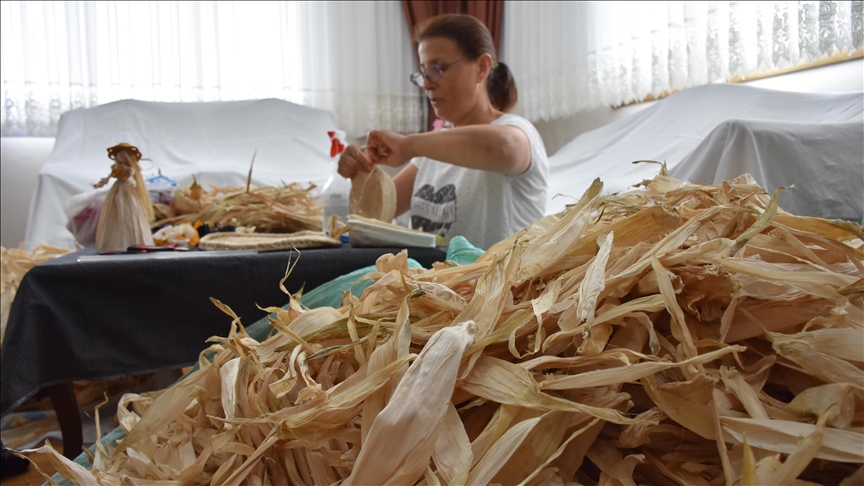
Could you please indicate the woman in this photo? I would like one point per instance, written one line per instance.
(484, 178)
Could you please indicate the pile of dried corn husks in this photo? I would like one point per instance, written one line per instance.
(14, 263)
(683, 334)
(269, 209)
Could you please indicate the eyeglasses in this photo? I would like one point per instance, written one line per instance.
(433, 73)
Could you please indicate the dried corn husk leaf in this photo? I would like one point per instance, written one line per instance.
(536, 476)
(628, 373)
(403, 436)
(536, 449)
(501, 451)
(594, 281)
(681, 334)
(824, 366)
(782, 436)
(835, 401)
(452, 454)
(607, 457)
(66, 467)
(268, 209)
(797, 461)
(392, 350)
(165, 409)
(550, 247)
(502, 382)
(373, 195)
(745, 394)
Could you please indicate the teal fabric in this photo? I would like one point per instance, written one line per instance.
(330, 294)
(459, 251)
(462, 252)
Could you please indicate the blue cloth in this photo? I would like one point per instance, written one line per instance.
(330, 293)
(459, 251)
(462, 252)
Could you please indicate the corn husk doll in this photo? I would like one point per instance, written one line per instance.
(127, 212)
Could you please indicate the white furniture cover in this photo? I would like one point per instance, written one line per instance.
(825, 162)
(213, 141)
(777, 136)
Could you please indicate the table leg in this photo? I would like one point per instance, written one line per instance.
(62, 397)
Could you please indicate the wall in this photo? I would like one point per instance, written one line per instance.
(21, 158)
(20, 161)
(839, 77)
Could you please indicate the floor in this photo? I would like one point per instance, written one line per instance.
(89, 394)
(33, 476)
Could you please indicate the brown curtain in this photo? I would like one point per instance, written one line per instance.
(488, 11)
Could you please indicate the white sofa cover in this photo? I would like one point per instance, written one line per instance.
(674, 127)
(213, 141)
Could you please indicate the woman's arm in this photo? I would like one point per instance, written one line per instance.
(495, 148)
(404, 182)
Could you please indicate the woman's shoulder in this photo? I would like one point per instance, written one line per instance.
(538, 148)
(518, 121)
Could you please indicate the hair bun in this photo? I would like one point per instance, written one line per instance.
(501, 87)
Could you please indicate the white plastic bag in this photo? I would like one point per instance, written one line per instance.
(161, 188)
(82, 212)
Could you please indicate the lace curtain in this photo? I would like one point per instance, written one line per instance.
(352, 58)
(592, 54)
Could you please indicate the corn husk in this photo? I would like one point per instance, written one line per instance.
(373, 195)
(268, 209)
(676, 334)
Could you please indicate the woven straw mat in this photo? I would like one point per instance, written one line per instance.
(266, 241)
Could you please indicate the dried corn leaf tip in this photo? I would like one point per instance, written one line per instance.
(269, 209)
(680, 334)
(373, 195)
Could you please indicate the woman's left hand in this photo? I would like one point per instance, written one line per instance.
(387, 148)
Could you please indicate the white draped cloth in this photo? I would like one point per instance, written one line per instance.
(821, 165)
(213, 142)
(717, 132)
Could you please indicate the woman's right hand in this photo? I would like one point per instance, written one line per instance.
(353, 161)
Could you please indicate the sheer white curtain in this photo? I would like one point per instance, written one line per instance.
(591, 54)
(352, 58)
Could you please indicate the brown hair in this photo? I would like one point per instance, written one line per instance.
(474, 39)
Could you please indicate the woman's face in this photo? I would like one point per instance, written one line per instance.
(462, 86)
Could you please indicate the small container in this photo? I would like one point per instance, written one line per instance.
(334, 194)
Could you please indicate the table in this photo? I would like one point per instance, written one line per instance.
(85, 316)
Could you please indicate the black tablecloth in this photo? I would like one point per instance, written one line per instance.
(85, 316)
